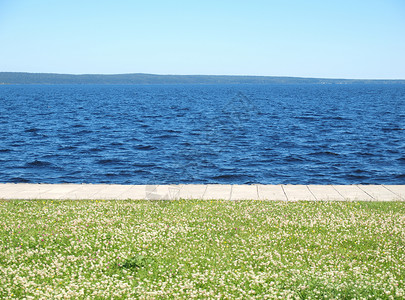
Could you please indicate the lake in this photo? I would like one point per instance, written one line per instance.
(236, 134)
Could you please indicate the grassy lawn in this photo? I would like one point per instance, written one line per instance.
(202, 249)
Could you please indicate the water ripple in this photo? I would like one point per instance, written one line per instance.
(234, 134)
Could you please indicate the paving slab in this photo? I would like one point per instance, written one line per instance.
(297, 192)
(379, 193)
(4, 186)
(86, 191)
(218, 191)
(271, 192)
(398, 190)
(24, 191)
(192, 191)
(135, 192)
(17, 186)
(244, 192)
(196, 191)
(162, 192)
(325, 192)
(113, 191)
(59, 191)
(352, 192)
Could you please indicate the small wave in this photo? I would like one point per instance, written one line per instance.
(228, 176)
(324, 153)
(109, 161)
(66, 148)
(5, 150)
(124, 173)
(392, 129)
(393, 151)
(33, 130)
(264, 160)
(17, 144)
(365, 153)
(38, 164)
(285, 144)
(85, 131)
(19, 180)
(165, 137)
(307, 118)
(144, 147)
(292, 158)
(50, 156)
(111, 175)
(352, 177)
(141, 172)
(116, 144)
(145, 165)
(185, 144)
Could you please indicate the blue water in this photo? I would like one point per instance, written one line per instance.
(239, 134)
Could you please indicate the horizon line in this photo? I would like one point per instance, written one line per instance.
(218, 75)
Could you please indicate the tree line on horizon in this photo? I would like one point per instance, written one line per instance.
(140, 78)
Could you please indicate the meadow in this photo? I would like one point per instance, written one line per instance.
(215, 249)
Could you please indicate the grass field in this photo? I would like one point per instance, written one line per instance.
(202, 249)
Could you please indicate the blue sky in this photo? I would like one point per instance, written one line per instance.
(308, 38)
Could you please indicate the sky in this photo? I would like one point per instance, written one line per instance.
(305, 38)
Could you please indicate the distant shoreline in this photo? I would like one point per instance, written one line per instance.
(7, 78)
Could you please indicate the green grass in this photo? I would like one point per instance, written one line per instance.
(202, 249)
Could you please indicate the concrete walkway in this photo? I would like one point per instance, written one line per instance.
(210, 191)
